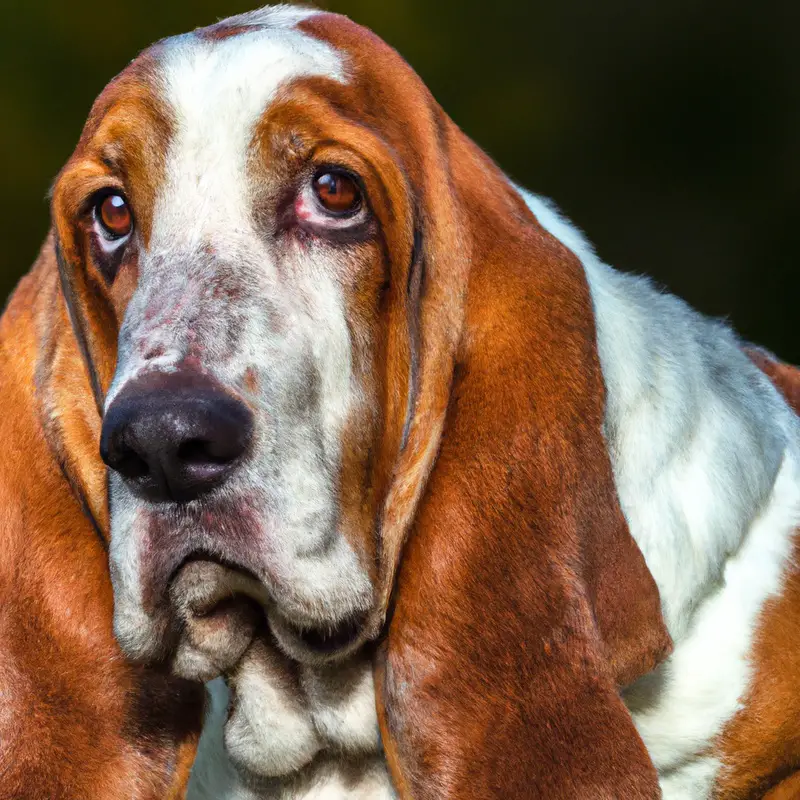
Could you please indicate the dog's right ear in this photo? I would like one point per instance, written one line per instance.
(81, 350)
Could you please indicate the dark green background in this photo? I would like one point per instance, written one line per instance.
(669, 131)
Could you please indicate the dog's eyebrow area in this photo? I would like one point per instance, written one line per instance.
(217, 91)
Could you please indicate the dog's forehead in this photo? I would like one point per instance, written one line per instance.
(221, 79)
(217, 83)
(181, 129)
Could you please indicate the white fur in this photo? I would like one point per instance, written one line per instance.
(705, 456)
(343, 766)
(341, 700)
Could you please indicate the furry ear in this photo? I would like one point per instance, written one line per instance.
(68, 384)
(120, 725)
(78, 361)
(522, 602)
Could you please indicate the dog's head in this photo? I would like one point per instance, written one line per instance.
(279, 257)
(240, 235)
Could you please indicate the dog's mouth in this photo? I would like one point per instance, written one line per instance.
(220, 608)
(319, 642)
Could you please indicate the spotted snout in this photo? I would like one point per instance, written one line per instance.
(175, 436)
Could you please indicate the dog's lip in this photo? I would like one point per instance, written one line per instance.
(319, 641)
(301, 638)
(217, 609)
(247, 584)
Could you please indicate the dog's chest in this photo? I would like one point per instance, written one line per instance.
(281, 730)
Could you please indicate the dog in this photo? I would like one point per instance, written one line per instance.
(455, 509)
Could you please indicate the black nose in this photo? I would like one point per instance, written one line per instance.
(174, 436)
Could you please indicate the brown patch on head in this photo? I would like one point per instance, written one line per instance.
(389, 139)
(122, 149)
(317, 122)
(123, 145)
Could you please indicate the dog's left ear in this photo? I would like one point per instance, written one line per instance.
(521, 603)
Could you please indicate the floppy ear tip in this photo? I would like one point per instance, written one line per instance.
(628, 663)
(635, 635)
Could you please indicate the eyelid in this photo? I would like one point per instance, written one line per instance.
(107, 243)
(99, 194)
(339, 169)
(319, 216)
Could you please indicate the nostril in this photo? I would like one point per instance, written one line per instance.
(204, 451)
(131, 465)
(120, 455)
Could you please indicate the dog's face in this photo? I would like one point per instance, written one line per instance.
(237, 229)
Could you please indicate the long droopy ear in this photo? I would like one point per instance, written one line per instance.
(518, 602)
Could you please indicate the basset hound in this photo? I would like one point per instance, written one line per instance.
(437, 503)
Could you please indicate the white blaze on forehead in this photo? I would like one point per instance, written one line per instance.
(217, 91)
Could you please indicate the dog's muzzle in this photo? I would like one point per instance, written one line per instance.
(199, 565)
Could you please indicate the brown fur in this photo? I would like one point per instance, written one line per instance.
(786, 377)
(785, 790)
(72, 723)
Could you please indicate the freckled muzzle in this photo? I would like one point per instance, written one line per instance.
(214, 568)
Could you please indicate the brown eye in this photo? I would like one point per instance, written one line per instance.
(337, 192)
(114, 214)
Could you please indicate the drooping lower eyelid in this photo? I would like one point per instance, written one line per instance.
(109, 244)
(339, 230)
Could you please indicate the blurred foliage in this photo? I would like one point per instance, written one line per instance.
(668, 130)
